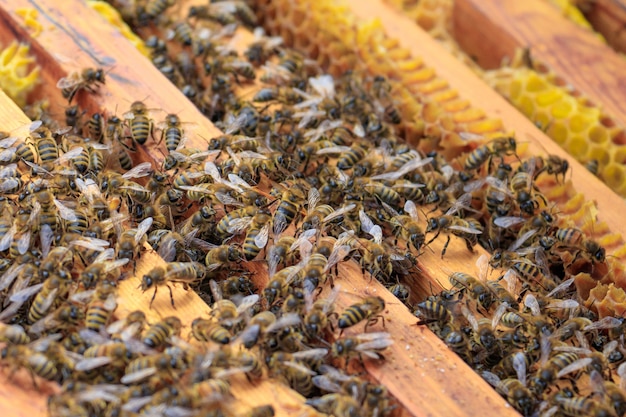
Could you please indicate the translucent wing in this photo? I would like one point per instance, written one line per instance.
(65, 212)
(139, 171)
(508, 221)
(143, 228)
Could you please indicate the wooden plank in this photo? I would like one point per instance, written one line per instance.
(18, 388)
(468, 84)
(128, 81)
(609, 18)
(490, 30)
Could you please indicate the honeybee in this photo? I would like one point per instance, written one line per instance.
(87, 79)
(572, 238)
(101, 266)
(257, 235)
(477, 289)
(317, 313)
(407, 226)
(515, 391)
(36, 362)
(467, 229)
(130, 242)
(370, 309)
(485, 153)
(368, 344)
(183, 272)
(157, 334)
(102, 305)
(205, 330)
(293, 369)
(220, 256)
(163, 364)
(336, 404)
(288, 208)
(140, 123)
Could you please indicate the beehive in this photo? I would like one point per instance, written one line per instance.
(415, 355)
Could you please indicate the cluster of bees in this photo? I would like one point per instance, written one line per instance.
(309, 173)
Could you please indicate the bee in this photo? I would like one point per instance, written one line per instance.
(572, 238)
(220, 256)
(293, 368)
(156, 8)
(140, 123)
(163, 364)
(72, 118)
(56, 286)
(467, 229)
(288, 208)
(184, 272)
(279, 284)
(36, 362)
(483, 333)
(14, 334)
(257, 235)
(484, 153)
(548, 371)
(157, 334)
(129, 327)
(583, 406)
(515, 391)
(130, 242)
(63, 317)
(101, 266)
(205, 330)
(172, 132)
(87, 79)
(101, 307)
(317, 313)
(478, 290)
(593, 166)
(370, 309)
(200, 221)
(501, 295)
(368, 344)
(407, 226)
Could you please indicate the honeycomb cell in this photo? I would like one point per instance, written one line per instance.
(613, 175)
(600, 154)
(561, 109)
(19, 74)
(598, 134)
(558, 131)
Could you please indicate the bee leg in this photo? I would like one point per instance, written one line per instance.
(445, 247)
(153, 295)
(469, 245)
(171, 297)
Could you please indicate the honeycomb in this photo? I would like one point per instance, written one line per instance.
(113, 17)
(569, 10)
(579, 127)
(329, 33)
(30, 20)
(18, 75)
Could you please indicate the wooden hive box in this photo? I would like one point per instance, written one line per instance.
(425, 377)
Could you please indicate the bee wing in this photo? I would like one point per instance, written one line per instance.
(338, 254)
(104, 256)
(280, 224)
(621, 372)
(23, 242)
(138, 171)
(333, 150)
(248, 335)
(561, 287)
(610, 347)
(143, 228)
(411, 208)
(325, 383)
(65, 212)
(366, 223)
(137, 376)
(72, 80)
(216, 292)
(562, 304)
(604, 323)
(91, 243)
(82, 297)
(8, 155)
(228, 200)
(521, 240)
(7, 239)
(135, 404)
(10, 274)
(42, 325)
(466, 229)
(313, 199)
(247, 302)
(196, 189)
(237, 226)
(338, 213)
(377, 344)
(8, 184)
(497, 315)
(299, 367)
(491, 378)
(531, 302)
(167, 249)
(409, 166)
(68, 156)
(597, 383)
(106, 392)
(317, 353)
(519, 364)
(574, 367)
(508, 221)
(88, 364)
(287, 320)
(46, 235)
(8, 143)
(236, 181)
(260, 240)
(471, 319)
(373, 336)
(23, 295)
(546, 348)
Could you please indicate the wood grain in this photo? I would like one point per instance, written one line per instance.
(131, 76)
(470, 86)
(609, 18)
(489, 30)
